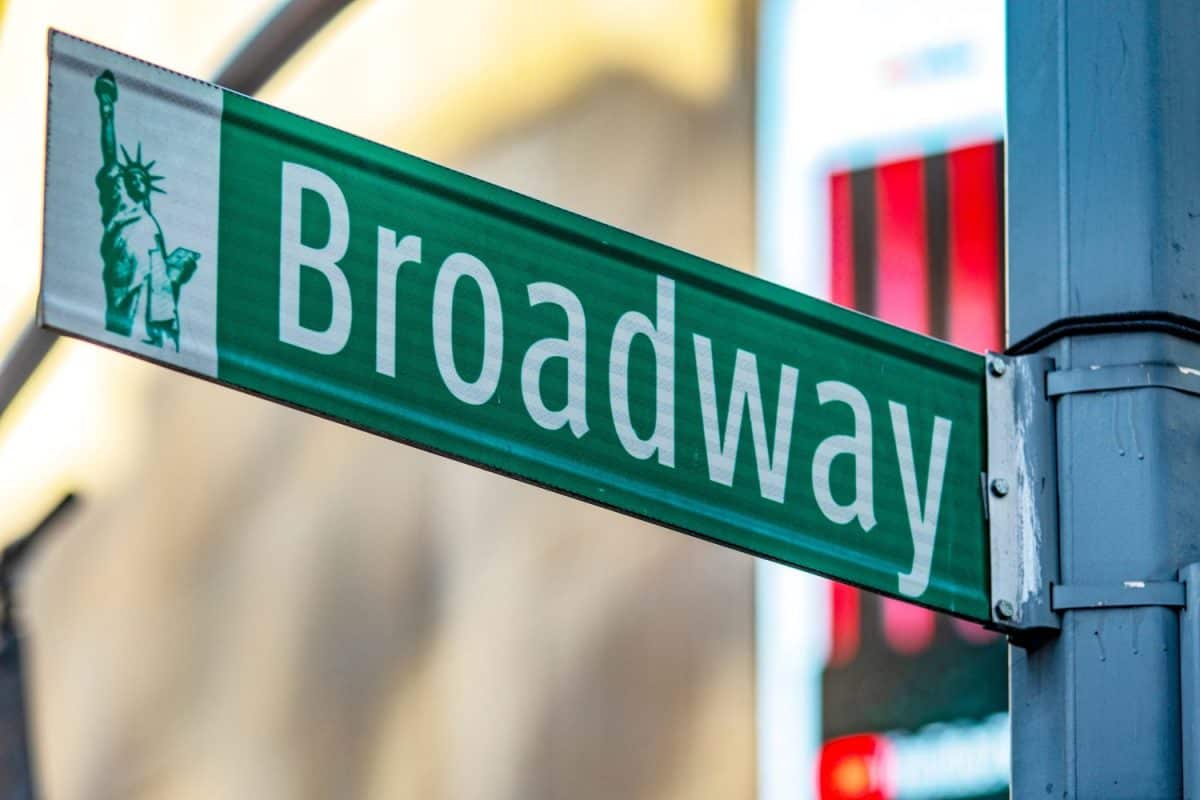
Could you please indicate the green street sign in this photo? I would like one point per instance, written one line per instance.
(211, 233)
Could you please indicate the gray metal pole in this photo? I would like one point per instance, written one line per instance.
(1104, 272)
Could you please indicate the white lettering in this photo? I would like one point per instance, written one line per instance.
(922, 524)
(294, 255)
(662, 338)
(480, 390)
(857, 447)
(573, 349)
(390, 256)
(722, 456)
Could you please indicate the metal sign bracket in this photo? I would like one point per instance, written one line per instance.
(1020, 490)
(1021, 496)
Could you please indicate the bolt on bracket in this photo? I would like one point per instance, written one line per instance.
(1022, 496)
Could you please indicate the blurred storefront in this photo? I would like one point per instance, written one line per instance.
(255, 603)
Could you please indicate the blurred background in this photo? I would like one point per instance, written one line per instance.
(253, 603)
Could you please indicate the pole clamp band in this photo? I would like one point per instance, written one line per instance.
(1130, 594)
(1125, 376)
(1112, 323)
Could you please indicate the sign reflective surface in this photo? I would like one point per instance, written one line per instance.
(208, 232)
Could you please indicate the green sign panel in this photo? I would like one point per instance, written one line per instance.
(212, 233)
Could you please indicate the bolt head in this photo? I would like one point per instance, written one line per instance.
(997, 367)
(1004, 609)
(999, 487)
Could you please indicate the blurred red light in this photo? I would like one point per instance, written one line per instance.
(976, 236)
(844, 610)
(854, 768)
(841, 290)
(902, 266)
(908, 629)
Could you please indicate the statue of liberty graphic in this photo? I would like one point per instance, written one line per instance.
(141, 282)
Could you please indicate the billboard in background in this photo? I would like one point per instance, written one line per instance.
(914, 703)
(881, 188)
